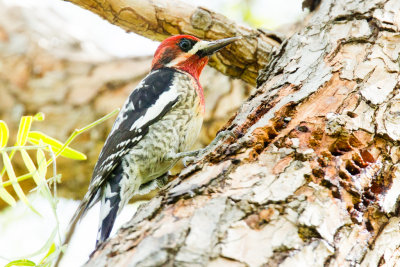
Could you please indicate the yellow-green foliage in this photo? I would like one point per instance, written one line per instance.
(37, 170)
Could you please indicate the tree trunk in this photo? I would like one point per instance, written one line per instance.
(313, 177)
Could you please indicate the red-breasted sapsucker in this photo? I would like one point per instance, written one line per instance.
(159, 121)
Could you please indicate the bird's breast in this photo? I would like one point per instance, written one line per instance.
(175, 132)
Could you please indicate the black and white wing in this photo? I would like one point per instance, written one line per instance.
(150, 101)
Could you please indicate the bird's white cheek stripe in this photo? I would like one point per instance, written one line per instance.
(163, 100)
(177, 60)
(199, 45)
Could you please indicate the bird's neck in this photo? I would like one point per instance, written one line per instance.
(200, 94)
(194, 66)
(199, 89)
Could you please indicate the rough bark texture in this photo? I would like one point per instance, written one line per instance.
(73, 93)
(313, 177)
(159, 19)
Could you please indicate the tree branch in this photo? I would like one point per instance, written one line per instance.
(159, 19)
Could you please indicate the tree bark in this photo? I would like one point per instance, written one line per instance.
(313, 177)
(159, 19)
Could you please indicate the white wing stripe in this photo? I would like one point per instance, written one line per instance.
(163, 100)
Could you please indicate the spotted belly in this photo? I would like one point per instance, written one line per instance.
(175, 133)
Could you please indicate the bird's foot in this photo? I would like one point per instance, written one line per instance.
(196, 155)
(157, 183)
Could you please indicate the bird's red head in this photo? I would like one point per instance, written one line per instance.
(187, 53)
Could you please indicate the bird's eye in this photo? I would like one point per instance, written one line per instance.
(186, 44)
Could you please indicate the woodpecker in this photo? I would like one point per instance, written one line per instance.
(156, 127)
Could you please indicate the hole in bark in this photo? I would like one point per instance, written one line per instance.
(303, 129)
(308, 178)
(259, 147)
(235, 161)
(344, 175)
(369, 226)
(327, 183)
(335, 192)
(239, 134)
(354, 142)
(359, 161)
(352, 114)
(339, 147)
(336, 152)
(253, 155)
(319, 173)
(343, 145)
(307, 232)
(271, 133)
(352, 168)
(283, 117)
(369, 195)
(322, 162)
(341, 18)
(263, 137)
(280, 124)
(366, 202)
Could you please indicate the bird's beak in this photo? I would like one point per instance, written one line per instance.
(210, 48)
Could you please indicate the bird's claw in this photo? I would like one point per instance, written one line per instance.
(198, 154)
(193, 158)
(226, 133)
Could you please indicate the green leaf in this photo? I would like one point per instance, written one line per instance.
(3, 134)
(3, 142)
(30, 166)
(13, 178)
(35, 136)
(21, 263)
(49, 252)
(24, 127)
(39, 116)
(4, 195)
(42, 164)
(36, 173)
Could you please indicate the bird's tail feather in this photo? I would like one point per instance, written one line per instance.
(87, 202)
(110, 205)
(107, 219)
